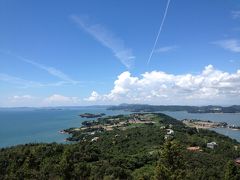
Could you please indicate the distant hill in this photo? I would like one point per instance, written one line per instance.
(190, 109)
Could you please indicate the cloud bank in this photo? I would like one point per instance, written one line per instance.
(60, 100)
(34, 101)
(211, 86)
(107, 39)
(20, 100)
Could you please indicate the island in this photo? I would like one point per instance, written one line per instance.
(134, 146)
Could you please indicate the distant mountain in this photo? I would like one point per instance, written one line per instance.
(190, 109)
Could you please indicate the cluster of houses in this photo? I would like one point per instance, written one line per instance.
(140, 119)
(169, 132)
(135, 119)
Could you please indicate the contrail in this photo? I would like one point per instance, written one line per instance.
(159, 31)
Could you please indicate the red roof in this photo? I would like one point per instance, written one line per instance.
(193, 148)
(237, 161)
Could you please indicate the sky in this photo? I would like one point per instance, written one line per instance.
(91, 52)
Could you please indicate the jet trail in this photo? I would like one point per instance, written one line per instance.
(159, 31)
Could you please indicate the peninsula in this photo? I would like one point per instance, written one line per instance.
(205, 124)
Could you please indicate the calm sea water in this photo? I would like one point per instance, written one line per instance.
(20, 126)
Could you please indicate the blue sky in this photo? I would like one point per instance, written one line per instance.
(96, 52)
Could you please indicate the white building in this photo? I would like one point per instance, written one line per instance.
(170, 132)
(94, 139)
(211, 145)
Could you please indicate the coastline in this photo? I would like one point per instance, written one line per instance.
(44, 126)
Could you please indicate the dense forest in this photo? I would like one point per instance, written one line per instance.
(138, 152)
(190, 109)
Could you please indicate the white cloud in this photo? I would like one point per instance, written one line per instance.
(165, 49)
(94, 97)
(23, 83)
(235, 14)
(51, 70)
(34, 101)
(23, 97)
(107, 39)
(19, 81)
(209, 87)
(21, 100)
(229, 44)
(65, 79)
(60, 100)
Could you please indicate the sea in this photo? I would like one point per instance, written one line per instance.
(36, 125)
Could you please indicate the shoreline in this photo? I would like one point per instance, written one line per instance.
(207, 124)
(10, 139)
